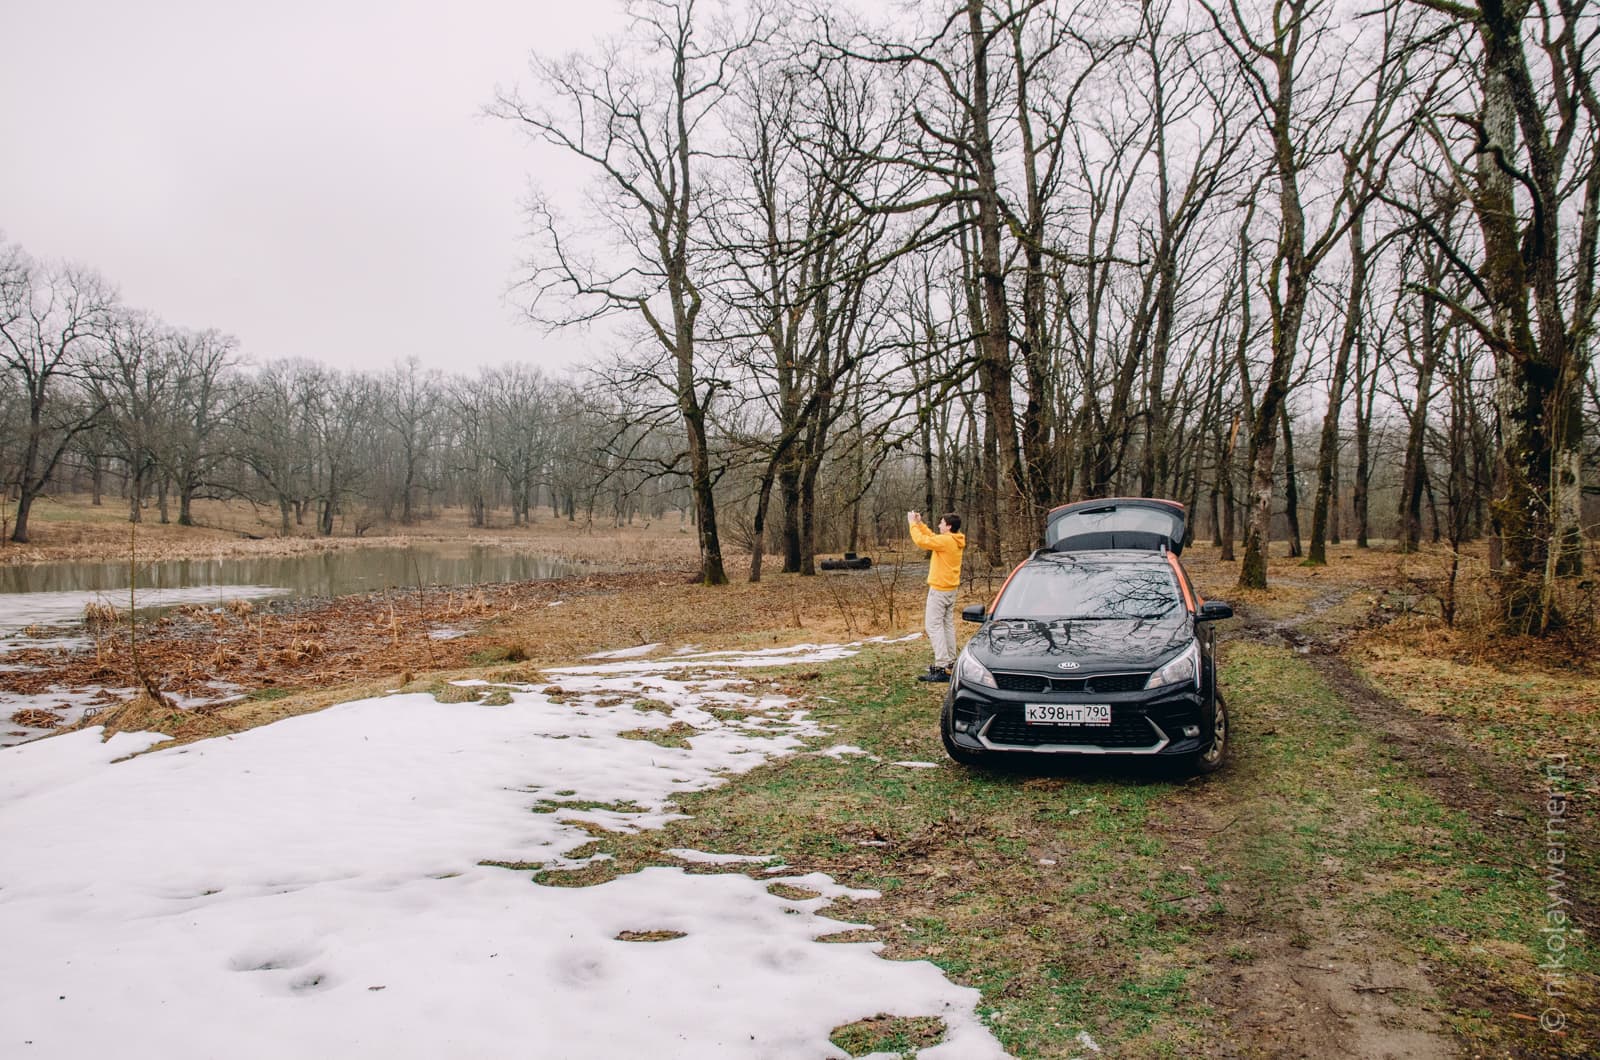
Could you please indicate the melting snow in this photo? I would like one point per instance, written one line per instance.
(316, 887)
(625, 653)
(67, 707)
(843, 750)
(701, 857)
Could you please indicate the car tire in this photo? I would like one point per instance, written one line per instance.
(957, 754)
(1209, 759)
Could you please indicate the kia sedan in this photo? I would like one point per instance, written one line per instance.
(1098, 645)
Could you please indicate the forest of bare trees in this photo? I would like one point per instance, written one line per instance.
(1321, 272)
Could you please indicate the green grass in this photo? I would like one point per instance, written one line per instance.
(266, 695)
(962, 862)
(888, 1034)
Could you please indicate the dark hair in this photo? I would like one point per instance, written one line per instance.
(952, 520)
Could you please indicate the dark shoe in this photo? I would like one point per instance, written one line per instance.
(935, 675)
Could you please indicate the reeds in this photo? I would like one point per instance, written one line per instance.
(99, 616)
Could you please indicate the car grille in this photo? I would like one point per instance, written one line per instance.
(1132, 682)
(1127, 730)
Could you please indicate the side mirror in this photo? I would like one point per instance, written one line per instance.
(1212, 610)
(978, 612)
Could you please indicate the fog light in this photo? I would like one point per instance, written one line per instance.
(1191, 731)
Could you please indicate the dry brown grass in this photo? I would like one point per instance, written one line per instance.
(98, 617)
(145, 713)
(36, 718)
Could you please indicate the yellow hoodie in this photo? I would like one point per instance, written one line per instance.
(944, 565)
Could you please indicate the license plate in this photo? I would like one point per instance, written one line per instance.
(1067, 713)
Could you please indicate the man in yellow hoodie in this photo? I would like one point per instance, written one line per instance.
(944, 578)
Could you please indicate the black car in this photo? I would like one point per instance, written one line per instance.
(1097, 644)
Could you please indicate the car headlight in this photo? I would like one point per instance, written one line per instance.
(1185, 669)
(973, 672)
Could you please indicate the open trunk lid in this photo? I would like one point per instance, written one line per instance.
(1118, 522)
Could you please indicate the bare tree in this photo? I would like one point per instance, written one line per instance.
(339, 408)
(53, 324)
(1526, 155)
(277, 441)
(641, 115)
(520, 427)
(407, 401)
(1306, 108)
(207, 399)
(134, 380)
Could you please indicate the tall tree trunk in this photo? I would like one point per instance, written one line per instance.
(994, 364)
(1324, 509)
(1366, 385)
(1291, 487)
(1335, 509)
(1414, 473)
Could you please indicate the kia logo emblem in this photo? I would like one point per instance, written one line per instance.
(1067, 665)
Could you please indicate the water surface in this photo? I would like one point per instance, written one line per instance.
(332, 573)
(53, 594)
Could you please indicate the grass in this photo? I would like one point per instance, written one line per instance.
(995, 877)
(268, 695)
(1523, 713)
(1115, 901)
(499, 653)
(888, 1034)
(1325, 801)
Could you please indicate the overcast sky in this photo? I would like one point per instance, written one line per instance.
(312, 176)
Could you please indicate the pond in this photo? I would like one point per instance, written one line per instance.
(55, 593)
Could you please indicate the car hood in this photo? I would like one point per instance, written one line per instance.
(1097, 645)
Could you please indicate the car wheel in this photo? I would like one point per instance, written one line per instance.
(1210, 759)
(957, 754)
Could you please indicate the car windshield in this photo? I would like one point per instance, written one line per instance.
(1086, 590)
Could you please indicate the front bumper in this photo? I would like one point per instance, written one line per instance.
(1159, 721)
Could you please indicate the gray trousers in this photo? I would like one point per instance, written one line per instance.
(940, 621)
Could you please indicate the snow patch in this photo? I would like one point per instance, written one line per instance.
(625, 653)
(845, 750)
(702, 857)
(339, 862)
